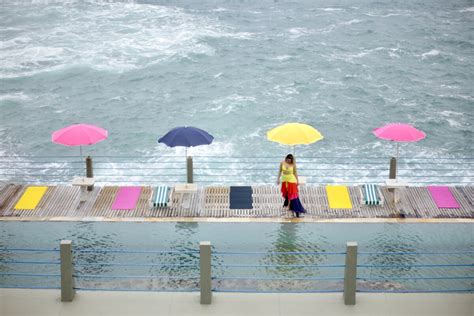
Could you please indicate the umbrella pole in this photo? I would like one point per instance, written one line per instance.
(189, 168)
(393, 166)
(294, 152)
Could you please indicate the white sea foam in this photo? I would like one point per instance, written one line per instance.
(329, 82)
(297, 32)
(218, 75)
(449, 86)
(469, 9)
(230, 103)
(113, 37)
(452, 117)
(350, 22)
(330, 9)
(286, 89)
(383, 15)
(453, 122)
(457, 96)
(365, 52)
(282, 57)
(19, 96)
(219, 10)
(431, 53)
(450, 113)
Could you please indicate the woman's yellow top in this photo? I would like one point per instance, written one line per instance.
(288, 174)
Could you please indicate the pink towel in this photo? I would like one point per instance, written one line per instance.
(443, 197)
(126, 198)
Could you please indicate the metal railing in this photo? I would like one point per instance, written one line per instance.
(209, 271)
(235, 170)
(45, 259)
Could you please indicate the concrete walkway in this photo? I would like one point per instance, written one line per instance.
(46, 302)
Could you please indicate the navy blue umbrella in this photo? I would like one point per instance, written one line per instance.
(186, 136)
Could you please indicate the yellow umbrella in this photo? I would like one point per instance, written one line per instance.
(294, 134)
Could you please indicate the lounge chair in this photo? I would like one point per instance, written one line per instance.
(371, 194)
(338, 197)
(162, 196)
(126, 198)
(31, 198)
(442, 197)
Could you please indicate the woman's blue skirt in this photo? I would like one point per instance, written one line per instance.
(295, 205)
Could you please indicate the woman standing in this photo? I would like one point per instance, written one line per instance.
(289, 185)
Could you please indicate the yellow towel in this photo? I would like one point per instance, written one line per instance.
(30, 198)
(338, 197)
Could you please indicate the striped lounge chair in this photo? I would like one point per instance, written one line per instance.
(161, 196)
(371, 195)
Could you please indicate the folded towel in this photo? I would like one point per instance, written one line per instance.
(443, 197)
(30, 198)
(240, 197)
(127, 198)
(338, 197)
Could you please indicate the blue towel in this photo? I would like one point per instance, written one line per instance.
(241, 197)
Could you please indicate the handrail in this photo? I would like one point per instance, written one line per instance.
(277, 253)
(126, 264)
(26, 274)
(263, 291)
(80, 288)
(96, 276)
(29, 262)
(415, 278)
(219, 169)
(385, 266)
(136, 251)
(280, 279)
(418, 291)
(27, 250)
(414, 253)
(223, 263)
(226, 156)
(280, 265)
(36, 287)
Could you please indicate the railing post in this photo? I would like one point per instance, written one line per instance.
(89, 171)
(205, 271)
(189, 168)
(350, 274)
(67, 281)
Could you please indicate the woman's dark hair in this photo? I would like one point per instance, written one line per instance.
(290, 157)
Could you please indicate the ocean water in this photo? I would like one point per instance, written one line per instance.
(237, 69)
(252, 246)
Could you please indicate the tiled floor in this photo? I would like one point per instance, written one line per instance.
(46, 302)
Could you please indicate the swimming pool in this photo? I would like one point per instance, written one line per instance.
(280, 257)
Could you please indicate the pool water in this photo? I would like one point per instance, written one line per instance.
(247, 256)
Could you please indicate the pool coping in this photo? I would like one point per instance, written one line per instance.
(235, 220)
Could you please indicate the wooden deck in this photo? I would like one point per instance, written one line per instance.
(213, 201)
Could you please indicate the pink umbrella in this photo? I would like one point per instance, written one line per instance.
(399, 132)
(79, 135)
